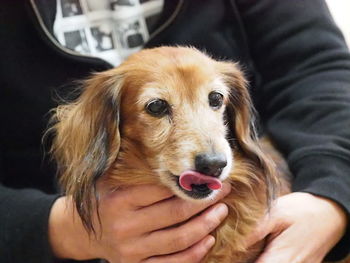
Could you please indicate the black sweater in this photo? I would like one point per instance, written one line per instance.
(294, 55)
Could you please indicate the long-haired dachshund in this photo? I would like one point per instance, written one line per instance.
(171, 116)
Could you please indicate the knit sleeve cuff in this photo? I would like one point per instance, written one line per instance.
(24, 225)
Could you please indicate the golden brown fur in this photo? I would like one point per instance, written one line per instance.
(107, 135)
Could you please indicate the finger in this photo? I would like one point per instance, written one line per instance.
(139, 196)
(192, 254)
(279, 249)
(182, 237)
(173, 211)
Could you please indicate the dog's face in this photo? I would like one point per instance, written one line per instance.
(176, 116)
(172, 111)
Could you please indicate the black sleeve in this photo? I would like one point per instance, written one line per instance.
(24, 226)
(304, 68)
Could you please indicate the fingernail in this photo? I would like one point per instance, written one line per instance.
(210, 242)
(221, 210)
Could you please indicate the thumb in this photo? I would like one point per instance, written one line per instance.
(279, 248)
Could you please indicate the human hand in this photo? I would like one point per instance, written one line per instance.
(299, 228)
(138, 226)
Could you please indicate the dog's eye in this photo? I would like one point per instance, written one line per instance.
(157, 107)
(216, 99)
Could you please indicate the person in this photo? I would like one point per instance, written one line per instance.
(298, 67)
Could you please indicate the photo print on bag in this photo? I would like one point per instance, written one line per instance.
(130, 34)
(76, 40)
(109, 29)
(103, 37)
(71, 8)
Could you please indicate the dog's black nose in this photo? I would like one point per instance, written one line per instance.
(210, 164)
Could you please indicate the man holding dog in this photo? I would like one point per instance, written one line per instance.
(299, 68)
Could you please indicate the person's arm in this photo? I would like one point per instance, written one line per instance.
(304, 67)
(24, 218)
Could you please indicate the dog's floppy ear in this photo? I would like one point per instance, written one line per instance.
(86, 139)
(241, 117)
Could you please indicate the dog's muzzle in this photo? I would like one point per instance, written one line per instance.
(204, 180)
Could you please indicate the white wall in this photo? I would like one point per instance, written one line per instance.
(341, 13)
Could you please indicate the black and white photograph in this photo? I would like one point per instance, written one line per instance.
(103, 38)
(71, 8)
(76, 40)
(131, 35)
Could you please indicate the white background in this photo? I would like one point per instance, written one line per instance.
(341, 13)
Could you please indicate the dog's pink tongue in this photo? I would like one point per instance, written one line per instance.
(188, 178)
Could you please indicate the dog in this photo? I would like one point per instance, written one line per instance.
(170, 116)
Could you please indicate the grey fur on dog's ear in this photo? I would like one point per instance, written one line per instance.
(87, 140)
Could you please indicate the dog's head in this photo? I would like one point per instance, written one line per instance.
(171, 111)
